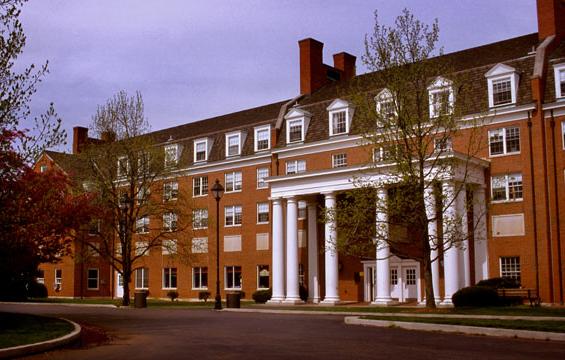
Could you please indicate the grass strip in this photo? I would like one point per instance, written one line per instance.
(20, 329)
(550, 326)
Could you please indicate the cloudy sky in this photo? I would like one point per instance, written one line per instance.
(196, 59)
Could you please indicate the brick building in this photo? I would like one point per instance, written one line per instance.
(281, 163)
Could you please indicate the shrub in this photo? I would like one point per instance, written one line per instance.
(204, 295)
(241, 294)
(262, 296)
(36, 290)
(477, 296)
(173, 295)
(500, 283)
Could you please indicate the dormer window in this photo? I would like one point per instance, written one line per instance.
(296, 125)
(295, 130)
(339, 117)
(502, 83)
(263, 138)
(171, 155)
(123, 166)
(440, 98)
(559, 73)
(443, 144)
(233, 144)
(386, 108)
(200, 150)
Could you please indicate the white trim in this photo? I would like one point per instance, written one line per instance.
(257, 279)
(505, 151)
(234, 190)
(175, 160)
(440, 85)
(338, 106)
(233, 207)
(255, 137)
(200, 278)
(506, 178)
(170, 278)
(266, 185)
(557, 68)
(296, 114)
(268, 213)
(196, 143)
(97, 279)
(500, 72)
(227, 137)
(145, 274)
(226, 277)
(563, 133)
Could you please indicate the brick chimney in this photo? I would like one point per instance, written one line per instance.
(80, 138)
(551, 19)
(345, 63)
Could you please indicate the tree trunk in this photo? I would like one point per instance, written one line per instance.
(126, 278)
(428, 280)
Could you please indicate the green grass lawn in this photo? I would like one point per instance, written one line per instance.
(21, 329)
(118, 302)
(551, 326)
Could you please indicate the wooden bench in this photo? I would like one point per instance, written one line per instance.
(530, 294)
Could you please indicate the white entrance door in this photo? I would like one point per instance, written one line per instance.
(119, 285)
(409, 283)
(395, 287)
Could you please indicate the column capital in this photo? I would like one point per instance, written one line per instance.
(275, 198)
(290, 199)
(329, 194)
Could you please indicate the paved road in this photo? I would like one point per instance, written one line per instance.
(205, 334)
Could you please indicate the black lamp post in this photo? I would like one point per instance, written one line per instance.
(217, 191)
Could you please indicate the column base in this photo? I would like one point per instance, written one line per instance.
(423, 302)
(330, 301)
(314, 300)
(275, 300)
(384, 302)
(293, 301)
(446, 302)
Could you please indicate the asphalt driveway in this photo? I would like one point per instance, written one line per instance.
(204, 334)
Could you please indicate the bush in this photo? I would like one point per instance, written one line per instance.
(36, 290)
(476, 296)
(173, 295)
(500, 283)
(204, 295)
(262, 296)
(241, 294)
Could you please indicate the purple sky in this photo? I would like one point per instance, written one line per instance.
(196, 59)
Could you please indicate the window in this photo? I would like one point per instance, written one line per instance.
(339, 160)
(563, 133)
(386, 108)
(442, 144)
(504, 141)
(394, 276)
(200, 218)
(440, 97)
(559, 73)
(94, 227)
(40, 279)
(302, 209)
(339, 122)
(301, 274)
(43, 168)
(201, 150)
(92, 279)
(233, 181)
(262, 276)
(142, 225)
(169, 247)
(123, 166)
(295, 166)
(143, 195)
(262, 213)
(58, 285)
(143, 162)
(200, 186)
(233, 144)
(510, 267)
(233, 277)
(502, 81)
(502, 91)
(170, 221)
(169, 278)
(232, 243)
(141, 248)
(262, 240)
(506, 187)
(170, 191)
(200, 245)
(262, 173)
(411, 276)
(295, 130)
(142, 278)
(233, 215)
(171, 155)
(200, 277)
(262, 138)
(92, 249)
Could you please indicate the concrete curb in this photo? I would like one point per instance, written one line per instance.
(29, 349)
(355, 313)
(469, 330)
(61, 304)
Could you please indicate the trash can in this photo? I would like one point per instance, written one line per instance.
(233, 300)
(140, 299)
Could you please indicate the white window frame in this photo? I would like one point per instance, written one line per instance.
(169, 246)
(504, 142)
(199, 245)
(196, 143)
(120, 169)
(170, 221)
(259, 275)
(230, 135)
(384, 96)
(295, 163)
(145, 222)
(557, 69)
(265, 185)
(256, 137)
(563, 133)
(170, 191)
(88, 278)
(175, 152)
(199, 273)
(170, 278)
(141, 247)
(513, 271)
(440, 85)
(292, 121)
(338, 106)
(58, 282)
(200, 186)
(235, 175)
(144, 276)
(233, 280)
(263, 204)
(233, 209)
(506, 179)
(198, 213)
(339, 160)
(500, 72)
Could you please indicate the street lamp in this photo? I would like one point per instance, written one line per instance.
(217, 191)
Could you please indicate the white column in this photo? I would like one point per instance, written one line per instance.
(430, 200)
(278, 252)
(383, 251)
(451, 252)
(292, 294)
(462, 216)
(313, 280)
(480, 234)
(330, 250)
